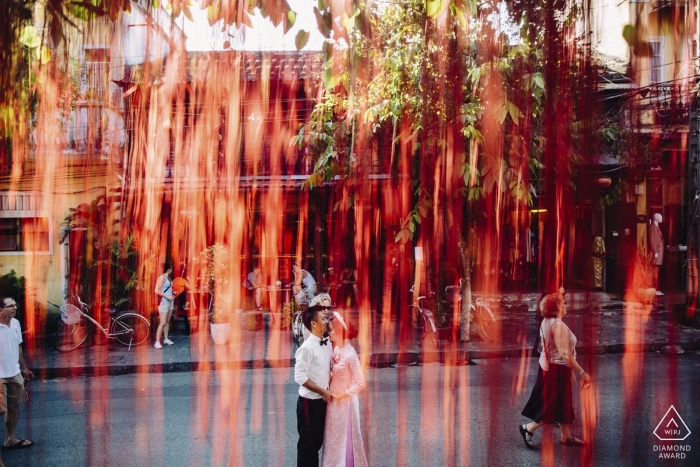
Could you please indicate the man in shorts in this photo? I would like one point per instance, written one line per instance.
(11, 374)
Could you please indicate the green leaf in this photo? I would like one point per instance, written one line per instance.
(475, 193)
(30, 37)
(539, 80)
(301, 39)
(502, 112)
(345, 80)
(213, 14)
(514, 112)
(461, 18)
(291, 17)
(330, 79)
(629, 33)
(85, 10)
(433, 8)
(43, 54)
(349, 21)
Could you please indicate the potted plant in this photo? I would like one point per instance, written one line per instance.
(219, 323)
(644, 277)
(215, 258)
(286, 318)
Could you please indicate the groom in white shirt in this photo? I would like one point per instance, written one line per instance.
(312, 372)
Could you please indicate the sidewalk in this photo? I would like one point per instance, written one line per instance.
(601, 325)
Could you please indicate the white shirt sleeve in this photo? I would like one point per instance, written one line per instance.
(301, 367)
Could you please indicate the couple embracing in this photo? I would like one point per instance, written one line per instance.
(328, 372)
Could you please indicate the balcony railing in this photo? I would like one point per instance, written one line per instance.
(21, 201)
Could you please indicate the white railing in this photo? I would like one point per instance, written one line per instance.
(21, 201)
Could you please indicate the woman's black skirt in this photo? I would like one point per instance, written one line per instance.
(551, 399)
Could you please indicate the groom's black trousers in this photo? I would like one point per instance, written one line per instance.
(311, 421)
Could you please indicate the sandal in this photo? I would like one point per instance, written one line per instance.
(21, 444)
(572, 442)
(525, 433)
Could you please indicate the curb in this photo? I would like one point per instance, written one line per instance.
(378, 360)
(156, 368)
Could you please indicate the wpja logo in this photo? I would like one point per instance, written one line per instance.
(671, 428)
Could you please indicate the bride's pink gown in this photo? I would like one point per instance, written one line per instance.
(342, 440)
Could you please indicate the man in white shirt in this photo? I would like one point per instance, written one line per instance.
(12, 382)
(312, 372)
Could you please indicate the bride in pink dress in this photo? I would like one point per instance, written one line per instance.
(342, 441)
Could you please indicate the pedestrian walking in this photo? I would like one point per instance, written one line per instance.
(12, 413)
(551, 400)
(164, 288)
(598, 260)
(12, 381)
(656, 242)
(312, 372)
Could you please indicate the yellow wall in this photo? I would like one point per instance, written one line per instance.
(43, 271)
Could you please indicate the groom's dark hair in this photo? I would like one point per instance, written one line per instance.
(310, 314)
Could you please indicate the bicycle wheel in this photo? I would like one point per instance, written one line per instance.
(484, 324)
(431, 330)
(131, 329)
(70, 336)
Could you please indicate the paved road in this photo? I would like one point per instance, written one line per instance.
(429, 415)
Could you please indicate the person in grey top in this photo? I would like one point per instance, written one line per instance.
(164, 288)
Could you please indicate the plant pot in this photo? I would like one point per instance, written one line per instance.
(646, 295)
(278, 321)
(253, 321)
(220, 332)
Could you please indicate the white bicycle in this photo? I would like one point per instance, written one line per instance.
(480, 314)
(424, 321)
(128, 327)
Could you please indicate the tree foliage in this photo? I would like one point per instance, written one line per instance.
(488, 95)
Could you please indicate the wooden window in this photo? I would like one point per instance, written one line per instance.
(656, 61)
(25, 234)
